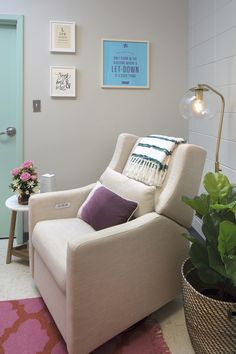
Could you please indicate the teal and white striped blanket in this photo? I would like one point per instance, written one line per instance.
(150, 158)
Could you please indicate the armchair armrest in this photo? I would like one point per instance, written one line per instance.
(124, 273)
(55, 205)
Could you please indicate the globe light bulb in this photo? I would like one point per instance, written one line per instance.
(199, 103)
(198, 106)
(202, 102)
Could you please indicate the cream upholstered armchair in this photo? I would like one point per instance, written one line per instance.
(98, 283)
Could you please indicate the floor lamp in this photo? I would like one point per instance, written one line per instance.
(198, 102)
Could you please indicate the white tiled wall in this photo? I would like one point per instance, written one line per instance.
(212, 60)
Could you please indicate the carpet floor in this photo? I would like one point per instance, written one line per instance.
(26, 327)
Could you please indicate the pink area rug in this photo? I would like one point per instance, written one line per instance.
(26, 327)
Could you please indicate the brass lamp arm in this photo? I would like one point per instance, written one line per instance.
(205, 86)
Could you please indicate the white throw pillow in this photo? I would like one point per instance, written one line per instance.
(128, 188)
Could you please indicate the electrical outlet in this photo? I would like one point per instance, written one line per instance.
(36, 106)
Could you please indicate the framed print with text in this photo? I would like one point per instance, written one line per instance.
(62, 81)
(125, 63)
(62, 36)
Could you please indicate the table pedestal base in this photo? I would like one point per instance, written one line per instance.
(19, 251)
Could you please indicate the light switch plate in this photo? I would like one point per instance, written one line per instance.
(36, 106)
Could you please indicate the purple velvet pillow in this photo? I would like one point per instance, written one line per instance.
(105, 209)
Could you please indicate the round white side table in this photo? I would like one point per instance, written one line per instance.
(20, 250)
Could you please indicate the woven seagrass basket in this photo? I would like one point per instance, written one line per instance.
(211, 323)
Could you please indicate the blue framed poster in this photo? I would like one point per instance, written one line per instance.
(125, 63)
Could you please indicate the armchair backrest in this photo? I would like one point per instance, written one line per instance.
(183, 177)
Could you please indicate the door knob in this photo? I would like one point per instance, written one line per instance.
(10, 131)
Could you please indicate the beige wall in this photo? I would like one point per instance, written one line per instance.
(75, 138)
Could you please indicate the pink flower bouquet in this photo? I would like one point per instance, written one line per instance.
(24, 180)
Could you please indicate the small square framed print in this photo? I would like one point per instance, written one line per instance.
(62, 81)
(62, 36)
(125, 63)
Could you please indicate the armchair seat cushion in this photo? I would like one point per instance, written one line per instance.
(50, 239)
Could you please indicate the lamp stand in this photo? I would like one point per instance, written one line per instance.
(217, 163)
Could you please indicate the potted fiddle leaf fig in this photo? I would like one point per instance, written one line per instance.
(209, 275)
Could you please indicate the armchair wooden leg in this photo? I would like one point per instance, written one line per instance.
(11, 236)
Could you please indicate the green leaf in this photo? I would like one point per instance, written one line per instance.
(211, 224)
(232, 194)
(210, 228)
(199, 255)
(209, 276)
(230, 267)
(215, 261)
(227, 248)
(193, 239)
(189, 237)
(227, 239)
(218, 187)
(231, 206)
(200, 204)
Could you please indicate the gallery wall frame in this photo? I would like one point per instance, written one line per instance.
(62, 36)
(125, 63)
(62, 81)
